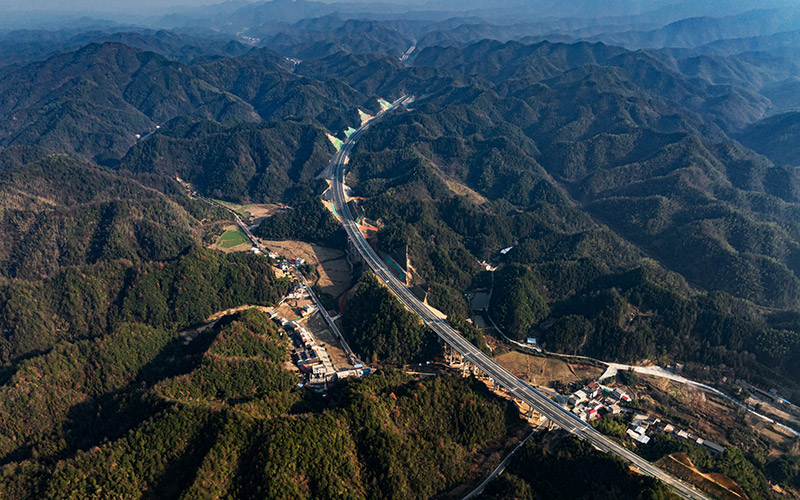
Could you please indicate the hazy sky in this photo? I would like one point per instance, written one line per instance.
(98, 5)
(118, 5)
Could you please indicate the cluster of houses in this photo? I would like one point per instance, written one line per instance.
(313, 359)
(642, 429)
(296, 292)
(310, 357)
(594, 400)
(284, 264)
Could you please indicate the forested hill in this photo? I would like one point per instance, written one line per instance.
(634, 215)
(590, 159)
(58, 211)
(222, 416)
(95, 100)
(777, 138)
(639, 166)
(86, 249)
(264, 162)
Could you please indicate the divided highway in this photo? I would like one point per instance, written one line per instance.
(518, 388)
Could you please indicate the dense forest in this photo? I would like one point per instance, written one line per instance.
(558, 466)
(308, 221)
(273, 162)
(606, 299)
(631, 240)
(100, 96)
(380, 328)
(220, 416)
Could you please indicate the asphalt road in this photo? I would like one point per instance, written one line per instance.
(516, 387)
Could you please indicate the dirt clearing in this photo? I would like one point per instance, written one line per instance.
(332, 266)
(709, 416)
(545, 371)
(319, 328)
(257, 212)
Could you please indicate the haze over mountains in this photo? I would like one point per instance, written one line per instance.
(641, 158)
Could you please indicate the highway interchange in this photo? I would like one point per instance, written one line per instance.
(516, 387)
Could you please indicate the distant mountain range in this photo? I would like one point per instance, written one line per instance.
(96, 100)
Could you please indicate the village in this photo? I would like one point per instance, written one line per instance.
(596, 401)
(318, 350)
(317, 366)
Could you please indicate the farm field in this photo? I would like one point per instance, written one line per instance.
(254, 212)
(231, 238)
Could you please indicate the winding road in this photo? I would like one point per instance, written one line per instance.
(516, 387)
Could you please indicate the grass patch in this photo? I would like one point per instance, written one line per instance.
(231, 239)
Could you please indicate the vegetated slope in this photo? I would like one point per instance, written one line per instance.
(380, 329)
(91, 300)
(784, 43)
(698, 31)
(777, 138)
(58, 211)
(540, 165)
(102, 397)
(759, 72)
(24, 46)
(313, 38)
(784, 95)
(595, 74)
(247, 162)
(278, 95)
(558, 466)
(382, 76)
(308, 220)
(615, 111)
(582, 157)
(94, 101)
(78, 240)
(700, 208)
(222, 416)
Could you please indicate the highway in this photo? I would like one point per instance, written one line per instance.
(516, 387)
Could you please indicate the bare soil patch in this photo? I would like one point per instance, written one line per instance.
(462, 190)
(233, 310)
(545, 371)
(709, 415)
(291, 309)
(260, 211)
(334, 270)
